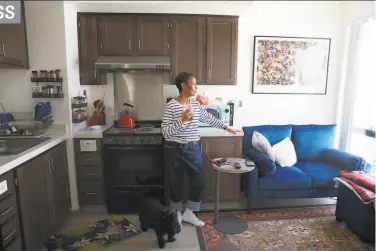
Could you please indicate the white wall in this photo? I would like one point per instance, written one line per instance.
(259, 18)
(46, 44)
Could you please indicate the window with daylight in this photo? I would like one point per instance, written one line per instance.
(363, 119)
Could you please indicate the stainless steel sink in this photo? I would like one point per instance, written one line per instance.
(16, 146)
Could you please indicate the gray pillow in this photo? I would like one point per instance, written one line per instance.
(261, 144)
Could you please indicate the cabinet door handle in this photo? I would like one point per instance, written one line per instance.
(209, 73)
(7, 211)
(88, 159)
(52, 163)
(3, 48)
(10, 235)
(139, 44)
(129, 44)
(95, 74)
(89, 174)
(91, 193)
(49, 165)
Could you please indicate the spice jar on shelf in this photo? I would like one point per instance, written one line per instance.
(52, 75)
(34, 74)
(57, 73)
(42, 74)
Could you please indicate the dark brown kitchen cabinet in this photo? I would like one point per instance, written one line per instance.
(43, 195)
(217, 147)
(90, 179)
(88, 49)
(13, 44)
(116, 35)
(59, 186)
(10, 235)
(152, 35)
(187, 45)
(221, 54)
(34, 202)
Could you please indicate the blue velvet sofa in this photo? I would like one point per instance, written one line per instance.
(311, 177)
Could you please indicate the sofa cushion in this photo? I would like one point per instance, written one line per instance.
(273, 133)
(321, 174)
(342, 160)
(283, 178)
(264, 163)
(261, 144)
(309, 140)
(284, 153)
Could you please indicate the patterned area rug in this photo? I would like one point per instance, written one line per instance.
(288, 229)
(97, 236)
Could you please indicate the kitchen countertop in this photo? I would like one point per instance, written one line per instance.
(204, 132)
(214, 132)
(7, 163)
(86, 133)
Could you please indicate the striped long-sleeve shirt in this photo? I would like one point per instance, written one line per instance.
(174, 130)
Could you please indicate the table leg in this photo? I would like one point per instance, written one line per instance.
(216, 210)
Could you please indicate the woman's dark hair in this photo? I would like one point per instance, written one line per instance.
(182, 78)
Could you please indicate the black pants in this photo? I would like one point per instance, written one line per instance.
(181, 160)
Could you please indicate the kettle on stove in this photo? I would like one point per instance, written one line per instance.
(126, 118)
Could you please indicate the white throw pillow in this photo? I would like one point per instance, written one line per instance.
(261, 144)
(284, 153)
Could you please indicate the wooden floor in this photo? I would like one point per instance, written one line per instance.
(187, 240)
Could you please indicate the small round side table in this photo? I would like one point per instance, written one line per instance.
(228, 224)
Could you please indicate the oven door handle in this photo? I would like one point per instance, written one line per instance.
(120, 148)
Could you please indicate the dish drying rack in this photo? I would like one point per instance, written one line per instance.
(25, 124)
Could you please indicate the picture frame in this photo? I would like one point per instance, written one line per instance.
(290, 65)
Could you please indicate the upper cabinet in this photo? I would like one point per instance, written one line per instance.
(187, 45)
(152, 35)
(133, 35)
(88, 49)
(203, 45)
(13, 44)
(222, 40)
(116, 35)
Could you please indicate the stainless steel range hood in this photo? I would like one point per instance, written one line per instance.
(133, 63)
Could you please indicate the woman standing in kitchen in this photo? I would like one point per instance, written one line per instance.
(182, 153)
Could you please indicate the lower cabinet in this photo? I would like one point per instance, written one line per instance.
(43, 195)
(218, 147)
(10, 236)
(90, 180)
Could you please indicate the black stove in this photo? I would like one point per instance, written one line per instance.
(131, 155)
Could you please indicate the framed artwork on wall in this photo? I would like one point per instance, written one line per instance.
(290, 65)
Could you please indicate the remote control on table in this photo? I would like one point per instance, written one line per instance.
(249, 163)
(237, 165)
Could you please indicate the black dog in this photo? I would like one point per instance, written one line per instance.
(154, 215)
(155, 212)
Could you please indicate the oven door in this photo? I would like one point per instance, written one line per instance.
(213, 110)
(125, 165)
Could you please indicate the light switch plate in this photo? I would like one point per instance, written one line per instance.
(88, 146)
(3, 187)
